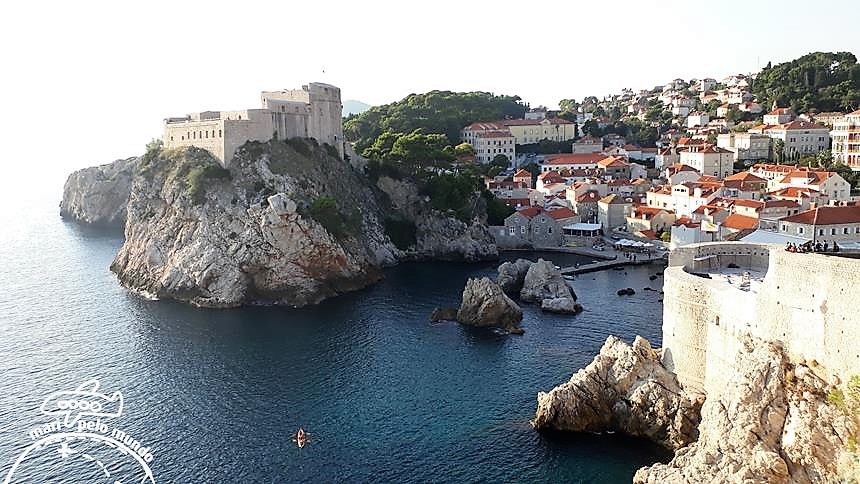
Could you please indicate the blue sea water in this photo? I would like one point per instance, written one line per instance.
(386, 395)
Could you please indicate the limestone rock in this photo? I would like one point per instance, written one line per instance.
(240, 237)
(443, 314)
(98, 195)
(485, 304)
(561, 305)
(544, 281)
(772, 424)
(512, 275)
(626, 388)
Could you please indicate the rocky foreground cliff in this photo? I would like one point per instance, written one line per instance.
(776, 421)
(287, 223)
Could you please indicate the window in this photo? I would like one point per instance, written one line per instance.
(523, 229)
(800, 230)
(833, 231)
(512, 230)
(219, 133)
(537, 230)
(784, 227)
(549, 230)
(844, 230)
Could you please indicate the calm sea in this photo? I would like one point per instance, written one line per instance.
(384, 394)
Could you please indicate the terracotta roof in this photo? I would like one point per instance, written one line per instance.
(745, 176)
(632, 148)
(782, 168)
(678, 167)
(649, 150)
(588, 197)
(795, 192)
(613, 162)
(530, 211)
(588, 140)
(649, 212)
(797, 124)
(740, 222)
(827, 216)
(532, 122)
(486, 127)
(494, 134)
(575, 159)
(561, 213)
(712, 209)
(781, 203)
(812, 177)
(756, 204)
(522, 174)
(613, 199)
(648, 234)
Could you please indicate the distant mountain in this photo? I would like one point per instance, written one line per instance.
(351, 106)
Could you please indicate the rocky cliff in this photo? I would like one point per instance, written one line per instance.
(627, 389)
(98, 195)
(287, 224)
(773, 423)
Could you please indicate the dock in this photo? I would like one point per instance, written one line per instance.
(601, 265)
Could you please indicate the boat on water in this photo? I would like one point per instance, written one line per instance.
(301, 438)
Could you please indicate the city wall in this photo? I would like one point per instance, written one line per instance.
(806, 301)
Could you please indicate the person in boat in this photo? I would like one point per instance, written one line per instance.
(301, 437)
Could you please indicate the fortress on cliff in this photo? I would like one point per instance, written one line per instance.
(314, 111)
(715, 292)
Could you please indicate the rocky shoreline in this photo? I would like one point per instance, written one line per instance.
(774, 422)
(287, 224)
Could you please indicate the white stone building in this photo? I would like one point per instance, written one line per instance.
(846, 140)
(708, 159)
(315, 111)
(799, 137)
(745, 146)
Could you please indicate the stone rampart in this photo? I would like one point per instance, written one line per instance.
(805, 301)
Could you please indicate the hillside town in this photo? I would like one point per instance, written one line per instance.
(738, 173)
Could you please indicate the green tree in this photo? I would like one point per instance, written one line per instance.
(779, 150)
(464, 149)
(442, 112)
(823, 81)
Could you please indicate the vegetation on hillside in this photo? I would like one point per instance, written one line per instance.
(820, 81)
(340, 223)
(410, 148)
(440, 112)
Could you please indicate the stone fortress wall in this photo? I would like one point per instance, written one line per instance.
(806, 301)
(315, 111)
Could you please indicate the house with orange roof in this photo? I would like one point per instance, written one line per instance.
(614, 167)
(779, 116)
(612, 211)
(534, 227)
(666, 157)
(489, 140)
(803, 196)
(799, 137)
(744, 184)
(829, 184)
(587, 144)
(528, 131)
(642, 217)
(680, 173)
(571, 161)
(585, 205)
(523, 177)
(746, 146)
(826, 223)
(708, 159)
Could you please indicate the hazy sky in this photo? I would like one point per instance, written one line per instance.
(87, 82)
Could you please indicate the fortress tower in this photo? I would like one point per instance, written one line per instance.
(314, 111)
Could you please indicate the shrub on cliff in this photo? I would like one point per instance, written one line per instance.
(200, 178)
(338, 223)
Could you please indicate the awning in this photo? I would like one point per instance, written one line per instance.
(583, 226)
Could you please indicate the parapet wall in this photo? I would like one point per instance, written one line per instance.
(805, 301)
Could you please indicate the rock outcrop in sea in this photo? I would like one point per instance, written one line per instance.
(626, 388)
(287, 223)
(98, 195)
(512, 275)
(485, 304)
(544, 284)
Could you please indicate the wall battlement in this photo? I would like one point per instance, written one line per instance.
(805, 301)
